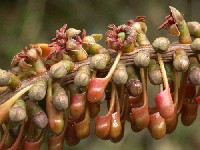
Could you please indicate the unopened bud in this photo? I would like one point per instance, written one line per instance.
(100, 61)
(194, 28)
(120, 75)
(60, 98)
(60, 69)
(181, 61)
(9, 79)
(134, 85)
(161, 44)
(142, 58)
(72, 32)
(97, 37)
(195, 45)
(88, 40)
(82, 77)
(38, 116)
(4, 78)
(17, 112)
(154, 73)
(194, 71)
(38, 90)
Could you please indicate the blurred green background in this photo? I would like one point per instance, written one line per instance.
(31, 21)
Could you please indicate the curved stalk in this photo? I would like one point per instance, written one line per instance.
(103, 123)
(97, 85)
(5, 107)
(55, 117)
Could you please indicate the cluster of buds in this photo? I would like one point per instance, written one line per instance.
(61, 86)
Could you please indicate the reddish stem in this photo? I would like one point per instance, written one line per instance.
(4, 136)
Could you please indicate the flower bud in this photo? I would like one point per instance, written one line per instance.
(60, 98)
(154, 73)
(194, 71)
(82, 77)
(60, 69)
(161, 44)
(195, 45)
(142, 58)
(94, 49)
(88, 40)
(4, 78)
(99, 61)
(120, 75)
(38, 90)
(78, 54)
(17, 112)
(134, 85)
(194, 28)
(97, 37)
(72, 32)
(32, 53)
(181, 61)
(142, 40)
(157, 126)
(38, 116)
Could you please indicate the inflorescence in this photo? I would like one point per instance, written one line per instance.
(59, 87)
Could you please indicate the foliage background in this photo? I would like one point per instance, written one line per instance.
(32, 21)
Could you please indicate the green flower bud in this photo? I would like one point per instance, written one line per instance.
(142, 58)
(88, 40)
(161, 44)
(9, 79)
(97, 37)
(94, 49)
(17, 112)
(194, 74)
(142, 40)
(195, 45)
(72, 32)
(194, 28)
(134, 85)
(38, 90)
(154, 73)
(32, 53)
(82, 77)
(4, 78)
(78, 54)
(194, 71)
(99, 61)
(38, 116)
(60, 98)
(120, 75)
(60, 69)
(181, 61)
